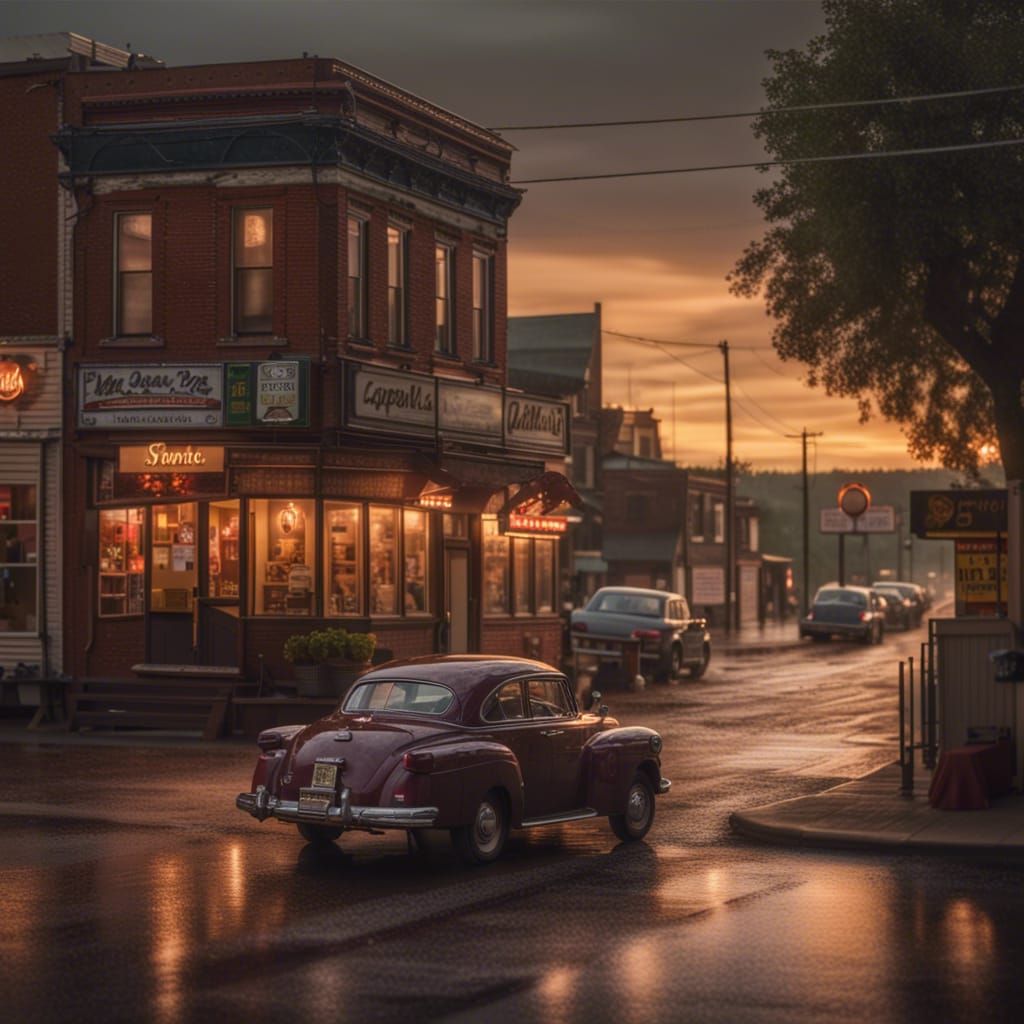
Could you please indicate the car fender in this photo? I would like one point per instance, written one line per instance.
(612, 758)
(462, 772)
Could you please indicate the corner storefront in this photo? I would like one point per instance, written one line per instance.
(215, 523)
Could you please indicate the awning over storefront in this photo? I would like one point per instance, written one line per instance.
(542, 495)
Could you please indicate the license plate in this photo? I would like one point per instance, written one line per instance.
(313, 802)
(325, 775)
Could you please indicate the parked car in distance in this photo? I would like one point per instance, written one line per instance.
(900, 611)
(475, 744)
(912, 592)
(855, 612)
(671, 640)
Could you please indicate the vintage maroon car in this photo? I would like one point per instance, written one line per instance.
(471, 743)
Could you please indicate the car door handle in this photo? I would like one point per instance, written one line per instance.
(551, 732)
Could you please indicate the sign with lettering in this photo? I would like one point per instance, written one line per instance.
(536, 424)
(278, 391)
(470, 410)
(238, 395)
(391, 401)
(981, 577)
(156, 395)
(12, 381)
(877, 519)
(952, 514)
(159, 457)
(707, 585)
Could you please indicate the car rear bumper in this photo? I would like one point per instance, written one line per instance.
(835, 629)
(261, 805)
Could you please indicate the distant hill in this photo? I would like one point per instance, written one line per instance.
(780, 498)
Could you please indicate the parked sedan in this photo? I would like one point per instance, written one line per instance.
(900, 611)
(915, 594)
(845, 611)
(471, 743)
(671, 640)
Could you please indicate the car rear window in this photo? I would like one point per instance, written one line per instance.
(834, 596)
(629, 604)
(401, 695)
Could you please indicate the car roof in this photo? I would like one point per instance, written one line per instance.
(463, 673)
(846, 586)
(640, 591)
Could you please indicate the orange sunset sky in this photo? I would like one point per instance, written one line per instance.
(653, 251)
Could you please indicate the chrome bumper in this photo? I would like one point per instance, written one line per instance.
(665, 785)
(261, 805)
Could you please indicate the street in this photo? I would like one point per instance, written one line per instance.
(133, 890)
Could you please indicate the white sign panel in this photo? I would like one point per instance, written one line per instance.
(536, 423)
(877, 519)
(708, 585)
(277, 391)
(161, 395)
(468, 409)
(387, 397)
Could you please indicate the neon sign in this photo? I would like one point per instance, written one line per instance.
(12, 381)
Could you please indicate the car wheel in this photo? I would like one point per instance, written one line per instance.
(676, 662)
(639, 815)
(319, 835)
(696, 671)
(483, 840)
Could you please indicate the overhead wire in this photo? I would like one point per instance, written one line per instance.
(881, 154)
(683, 119)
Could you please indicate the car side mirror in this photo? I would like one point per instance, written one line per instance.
(603, 711)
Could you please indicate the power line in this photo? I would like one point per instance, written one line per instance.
(960, 147)
(757, 113)
(682, 344)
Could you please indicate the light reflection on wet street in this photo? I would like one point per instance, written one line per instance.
(133, 890)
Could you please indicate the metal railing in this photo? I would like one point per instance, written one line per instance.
(918, 706)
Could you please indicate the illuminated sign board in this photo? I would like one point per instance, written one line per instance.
(159, 457)
(953, 514)
(155, 395)
(12, 381)
(534, 526)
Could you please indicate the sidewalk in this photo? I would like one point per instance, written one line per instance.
(870, 812)
(752, 638)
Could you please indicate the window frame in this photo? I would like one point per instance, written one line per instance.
(119, 332)
(236, 269)
(143, 546)
(398, 293)
(483, 314)
(360, 330)
(444, 334)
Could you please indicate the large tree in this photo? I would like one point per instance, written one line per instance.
(901, 279)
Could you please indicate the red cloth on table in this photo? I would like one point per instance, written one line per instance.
(967, 776)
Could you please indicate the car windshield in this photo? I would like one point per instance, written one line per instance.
(836, 596)
(647, 605)
(401, 695)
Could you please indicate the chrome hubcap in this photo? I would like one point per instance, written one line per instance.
(636, 807)
(487, 827)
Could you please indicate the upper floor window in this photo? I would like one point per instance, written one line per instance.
(398, 246)
(718, 510)
(357, 277)
(253, 260)
(695, 511)
(444, 265)
(483, 303)
(134, 299)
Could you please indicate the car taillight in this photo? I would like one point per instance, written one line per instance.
(422, 761)
(270, 741)
(864, 616)
(646, 634)
(579, 627)
(810, 615)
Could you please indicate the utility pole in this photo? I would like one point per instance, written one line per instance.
(805, 595)
(730, 501)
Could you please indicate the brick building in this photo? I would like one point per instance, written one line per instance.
(289, 375)
(35, 322)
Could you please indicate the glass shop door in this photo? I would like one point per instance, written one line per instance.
(218, 616)
(173, 579)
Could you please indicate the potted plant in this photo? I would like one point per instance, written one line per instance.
(305, 653)
(352, 655)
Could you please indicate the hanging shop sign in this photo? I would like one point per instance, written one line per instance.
(17, 377)
(157, 395)
(274, 393)
(536, 424)
(159, 457)
(953, 514)
(469, 410)
(516, 524)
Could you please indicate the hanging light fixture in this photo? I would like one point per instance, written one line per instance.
(289, 517)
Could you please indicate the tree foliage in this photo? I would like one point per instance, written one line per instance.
(901, 279)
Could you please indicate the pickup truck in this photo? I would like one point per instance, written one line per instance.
(671, 640)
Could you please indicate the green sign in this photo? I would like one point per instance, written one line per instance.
(238, 395)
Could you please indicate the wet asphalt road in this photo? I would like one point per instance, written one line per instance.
(134, 891)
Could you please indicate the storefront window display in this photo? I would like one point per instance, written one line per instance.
(19, 530)
(416, 550)
(522, 576)
(496, 574)
(122, 562)
(223, 570)
(343, 554)
(383, 560)
(173, 573)
(284, 556)
(544, 571)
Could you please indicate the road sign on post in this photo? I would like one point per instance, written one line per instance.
(853, 500)
(877, 519)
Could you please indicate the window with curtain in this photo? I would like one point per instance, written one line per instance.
(483, 307)
(357, 277)
(134, 284)
(398, 245)
(253, 259)
(444, 277)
